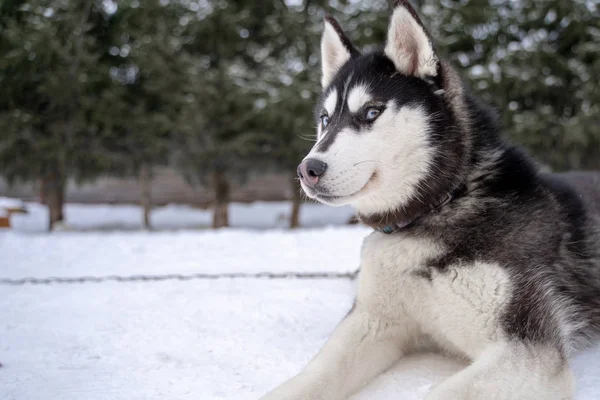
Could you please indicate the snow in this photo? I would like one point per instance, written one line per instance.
(229, 339)
(61, 254)
(8, 203)
(209, 339)
(260, 215)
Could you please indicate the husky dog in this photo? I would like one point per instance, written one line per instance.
(475, 253)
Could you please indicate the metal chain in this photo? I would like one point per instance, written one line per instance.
(138, 278)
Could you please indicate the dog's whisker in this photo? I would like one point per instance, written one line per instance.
(307, 138)
(365, 161)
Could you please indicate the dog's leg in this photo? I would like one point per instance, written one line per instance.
(511, 371)
(361, 347)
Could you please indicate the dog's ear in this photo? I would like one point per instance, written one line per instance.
(408, 44)
(336, 50)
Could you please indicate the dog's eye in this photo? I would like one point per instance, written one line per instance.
(324, 120)
(372, 113)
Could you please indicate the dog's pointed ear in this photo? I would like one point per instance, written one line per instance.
(336, 50)
(408, 44)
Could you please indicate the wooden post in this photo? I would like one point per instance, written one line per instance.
(53, 196)
(146, 194)
(296, 203)
(222, 192)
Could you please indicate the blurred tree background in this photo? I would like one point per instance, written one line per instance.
(220, 88)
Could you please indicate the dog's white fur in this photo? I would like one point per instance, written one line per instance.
(358, 97)
(390, 320)
(362, 166)
(330, 102)
(333, 54)
(396, 312)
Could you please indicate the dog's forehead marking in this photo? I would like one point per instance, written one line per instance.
(345, 92)
(358, 96)
(331, 102)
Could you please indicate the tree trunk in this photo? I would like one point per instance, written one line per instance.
(221, 204)
(52, 194)
(296, 202)
(61, 201)
(146, 194)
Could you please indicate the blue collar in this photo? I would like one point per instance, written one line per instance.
(388, 229)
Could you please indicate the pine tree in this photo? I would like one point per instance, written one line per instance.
(535, 61)
(147, 75)
(222, 133)
(45, 45)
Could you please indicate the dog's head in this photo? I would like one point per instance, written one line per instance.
(390, 125)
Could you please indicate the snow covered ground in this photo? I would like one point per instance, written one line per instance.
(201, 339)
(258, 215)
(65, 254)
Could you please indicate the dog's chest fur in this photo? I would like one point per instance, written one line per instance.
(459, 308)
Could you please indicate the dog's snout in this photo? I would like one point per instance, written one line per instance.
(310, 170)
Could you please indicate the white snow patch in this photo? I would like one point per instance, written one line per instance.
(119, 217)
(225, 339)
(7, 203)
(65, 254)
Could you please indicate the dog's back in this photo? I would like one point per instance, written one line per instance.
(587, 186)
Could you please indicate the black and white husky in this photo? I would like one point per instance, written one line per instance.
(475, 253)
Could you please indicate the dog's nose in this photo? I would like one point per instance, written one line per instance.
(310, 170)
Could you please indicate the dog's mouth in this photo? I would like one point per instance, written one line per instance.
(333, 199)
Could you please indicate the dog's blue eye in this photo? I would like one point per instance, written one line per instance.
(372, 113)
(324, 120)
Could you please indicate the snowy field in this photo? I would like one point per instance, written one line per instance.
(200, 338)
(258, 215)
